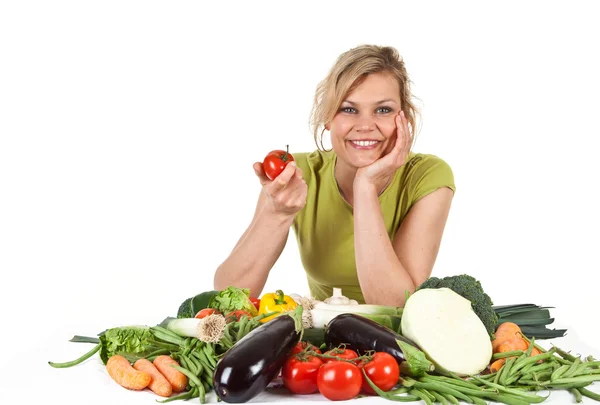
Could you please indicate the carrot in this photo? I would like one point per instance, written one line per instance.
(506, 331)
(119, 368)
(159, 384)
(511, 345)
(176, 378)
(497, 365)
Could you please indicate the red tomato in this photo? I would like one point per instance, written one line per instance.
(256, 302)
(236, 315)
(300, 346)
(347, 354)
(275, 162)
(382, 370)
(203, 313)
(339, 380)
(299, 376)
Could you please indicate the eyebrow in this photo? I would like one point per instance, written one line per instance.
(387, 100)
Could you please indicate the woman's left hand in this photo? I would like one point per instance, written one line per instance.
(380, 172)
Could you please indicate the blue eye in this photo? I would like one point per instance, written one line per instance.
(348, 109)
(384, 110)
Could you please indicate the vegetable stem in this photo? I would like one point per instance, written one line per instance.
(77, 361)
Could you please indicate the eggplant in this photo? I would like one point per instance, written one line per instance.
(251, 364)
(363, 335)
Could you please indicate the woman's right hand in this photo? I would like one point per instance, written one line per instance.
(287, 192)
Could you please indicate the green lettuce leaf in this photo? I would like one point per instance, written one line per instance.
(233, 299)
(134, 341)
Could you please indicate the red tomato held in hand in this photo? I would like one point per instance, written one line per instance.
(299, 376)
(347, 354)
(275, 162)
(203, 313)
(339, 380)
(300, 346)
(382, 370)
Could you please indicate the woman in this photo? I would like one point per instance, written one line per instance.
(369, 214)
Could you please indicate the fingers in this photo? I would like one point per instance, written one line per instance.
(288, 191)
(407, 133)
(260, 173)
(281, 181)
(401, 134)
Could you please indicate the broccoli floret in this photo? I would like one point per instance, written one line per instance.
(471, 289)
(185, 309)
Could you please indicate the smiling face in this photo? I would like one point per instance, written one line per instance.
(364, 128)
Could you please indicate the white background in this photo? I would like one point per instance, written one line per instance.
(128, 132)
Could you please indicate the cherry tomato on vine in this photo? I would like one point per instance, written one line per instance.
(382, 370)
(339, 380)
(300, 346)
(300, 375)
(276, 161)
(347, 354)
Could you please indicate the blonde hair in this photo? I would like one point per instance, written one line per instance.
(350, 69)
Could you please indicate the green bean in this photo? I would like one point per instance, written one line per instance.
(532, 368)
(573, 368)
(559, 372)
(565, 355)
(202, 393)
(207, 376)
(184, 396)
(589, 394)
(418, 393)
(197, 364)
(397, 391)
(478, 401)
(505, 370)
(202, 359)
(523, 395)
(77, 361)
(457, 381)
(576, 393)
(533, 359)
(575, 380)
(242, 327)
(185, 363)
(188, 374)
(445, 388)
(451, 398)
(439, 398)
(530, 348)
(227, 334)
(502, 355)
(210, 352)
(389, 395)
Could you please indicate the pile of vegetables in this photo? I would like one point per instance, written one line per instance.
(447, 344)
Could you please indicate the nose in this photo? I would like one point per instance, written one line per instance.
(365, 123)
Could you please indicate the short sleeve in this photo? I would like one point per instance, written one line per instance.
(428, 174)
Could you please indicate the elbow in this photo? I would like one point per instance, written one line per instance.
(219, 282)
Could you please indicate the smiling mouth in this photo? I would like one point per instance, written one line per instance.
(364, 144)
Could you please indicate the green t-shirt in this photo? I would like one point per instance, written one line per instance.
(324, 228)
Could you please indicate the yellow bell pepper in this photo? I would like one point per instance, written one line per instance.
(275, 302)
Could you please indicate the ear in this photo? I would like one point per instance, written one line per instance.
(327, 126)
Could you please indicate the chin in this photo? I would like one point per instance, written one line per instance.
(363, 161)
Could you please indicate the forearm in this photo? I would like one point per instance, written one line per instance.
(251, 260)
(382, 277)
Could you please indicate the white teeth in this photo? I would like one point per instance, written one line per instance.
(364, 143)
